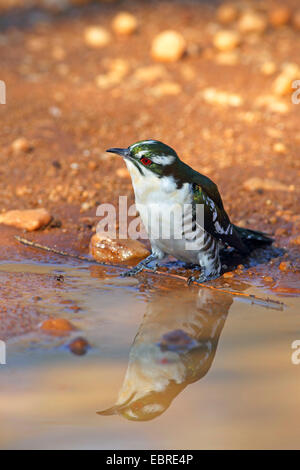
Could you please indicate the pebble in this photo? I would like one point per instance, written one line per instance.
(105, 249)
(256, 184)
(223, 98)
(280, 148)
(96, 36)
(268, 68)
(124, 23)
(29, 220)
(79, 346)
(252, 22)
(21, 145)
(280, 16)
(227, 13)
(227, 58)
(226, 40)
(168, 46)
(150, 73)
(57, 326)
(228, 275)
(282, 85)
(166, 88)
(285, 266)
(118, 69)
(272, 104)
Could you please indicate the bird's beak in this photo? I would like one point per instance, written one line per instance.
(109, 412)
(123, 152)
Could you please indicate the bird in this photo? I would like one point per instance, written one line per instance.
(182, 211)
(174, 347)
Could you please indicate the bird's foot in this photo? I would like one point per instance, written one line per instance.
(132, 272)
(202, 278)
(138, 268)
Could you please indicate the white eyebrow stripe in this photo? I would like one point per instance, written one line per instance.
(164, 159)
(141, 153)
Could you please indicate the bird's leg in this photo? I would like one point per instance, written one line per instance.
(210, 265)
(142, 265)
(203, 278)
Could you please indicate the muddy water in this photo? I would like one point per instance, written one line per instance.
(169, 366)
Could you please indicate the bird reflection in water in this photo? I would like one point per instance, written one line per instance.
(174, 347)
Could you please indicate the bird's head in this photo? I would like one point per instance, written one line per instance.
(149, 156)
(144, 408)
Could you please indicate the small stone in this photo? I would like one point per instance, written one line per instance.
(166, 88)
(257, 184)
(268, 68)
(272, 104)
(296, 20)
(150, 73)
(227, 13)
(55, 111)
(252, 22)
(92, 165)
(168, 46)
(227, 58)
(79, 346)
(124, 23)
(85, 206)
(56, 164)
(96, 36)
(57, 326)
(226, 40)
(118, 69)
(280, 16)
(273, 220)
(21, 145)
(280, 148)
(282, 85)
(285, 266)
(29, 220)
(223, 98)
(104, 248)
(23, 190)
(228, 275)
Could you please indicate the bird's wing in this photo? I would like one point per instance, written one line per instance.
(215, 219)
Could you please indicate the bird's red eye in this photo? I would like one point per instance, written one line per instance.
(146, 161)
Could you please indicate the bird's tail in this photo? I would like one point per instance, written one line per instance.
(253, 237)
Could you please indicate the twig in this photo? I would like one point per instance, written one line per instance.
(268, 303)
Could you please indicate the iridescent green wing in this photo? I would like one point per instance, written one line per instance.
(214, 217)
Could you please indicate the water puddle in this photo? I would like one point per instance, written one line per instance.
(170, 366)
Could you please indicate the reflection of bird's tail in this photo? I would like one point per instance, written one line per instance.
(253, 237)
